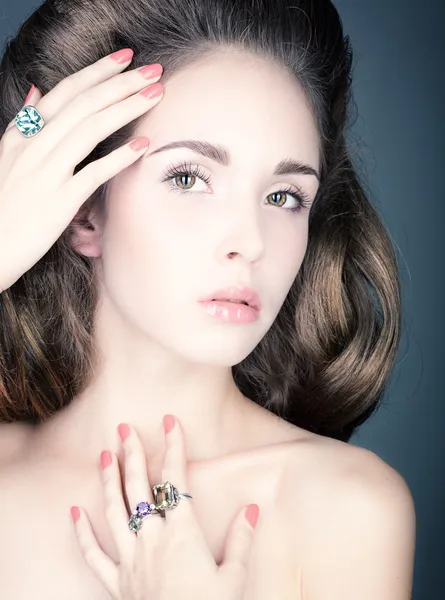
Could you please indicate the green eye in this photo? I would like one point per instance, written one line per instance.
(180, 173)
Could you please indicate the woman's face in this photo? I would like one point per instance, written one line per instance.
(166, 244)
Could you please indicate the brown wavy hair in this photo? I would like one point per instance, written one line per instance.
(326, 360)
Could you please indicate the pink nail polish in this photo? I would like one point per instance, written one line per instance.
(33, 87)
(252, 512)
(153, 90)
(169, 422)
(151, 71)
(140, 143)
(123, 430)
(105, 459)
(75, 513)
(122, 56)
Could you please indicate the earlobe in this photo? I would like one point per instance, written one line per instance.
(86, 236)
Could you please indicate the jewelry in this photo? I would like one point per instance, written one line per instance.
(141, 512)
(29, 121)
(166, 497)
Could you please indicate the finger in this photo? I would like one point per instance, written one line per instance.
(240, 536)
(238, 547)
(80, 187)
(175, 471)
(102, 565)
(74, 148)
(137, 486)
(72, 85)
(11, 142)
(93, 100)
(52, 103)
(115, 509)
(34, 95)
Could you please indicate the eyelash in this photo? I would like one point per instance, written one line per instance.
(185, 168)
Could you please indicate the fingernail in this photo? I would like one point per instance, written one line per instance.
(105, 459)
(153, 90)
(169, 422)
(33, 87)
(139, 143)
(151, 71)
(252, 512)
(122, 56)
(75, 513)
(123, 430)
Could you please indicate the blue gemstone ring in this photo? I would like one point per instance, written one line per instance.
(29, 121)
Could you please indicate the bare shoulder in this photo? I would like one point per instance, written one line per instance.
(336, 473)
(348, 510)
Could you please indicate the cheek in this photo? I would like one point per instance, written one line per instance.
(286, 248)
(146, 246)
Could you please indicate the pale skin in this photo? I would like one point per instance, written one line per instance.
(336, 522)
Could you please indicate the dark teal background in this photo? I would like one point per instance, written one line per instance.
(398, 139)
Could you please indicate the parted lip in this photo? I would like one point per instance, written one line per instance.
(240, 293)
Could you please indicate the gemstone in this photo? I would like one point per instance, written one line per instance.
(135, 523)
(143, 508)
(29, 121)
(165, 496)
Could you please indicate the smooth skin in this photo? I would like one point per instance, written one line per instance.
(168, 558)
(336, 522)
(80, 111)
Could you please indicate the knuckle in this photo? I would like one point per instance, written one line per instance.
(111, 512)
(108, 475)
(110, 486)
(90, 555)
(83, 538)
(184, 535)
(67, 85)
(102, 124)
(124, 83)
(112, 507)
(133, 471)
(92, 173)
(85, 100)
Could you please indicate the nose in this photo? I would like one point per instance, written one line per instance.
(244, 238)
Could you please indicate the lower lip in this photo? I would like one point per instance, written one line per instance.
(230, 312)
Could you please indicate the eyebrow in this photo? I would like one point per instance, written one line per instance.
(221, 155)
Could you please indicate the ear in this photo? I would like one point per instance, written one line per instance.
(86, 232)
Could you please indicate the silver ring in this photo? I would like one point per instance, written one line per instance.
(142, 511)
(166, 497)
(29, 121)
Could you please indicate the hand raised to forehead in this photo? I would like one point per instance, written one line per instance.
(78, 113)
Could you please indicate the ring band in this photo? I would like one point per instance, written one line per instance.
(29, 121)
(142, 511)
(166, 497)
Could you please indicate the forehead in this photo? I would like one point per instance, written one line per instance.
(247, 103)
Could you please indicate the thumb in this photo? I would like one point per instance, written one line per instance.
(239, 541)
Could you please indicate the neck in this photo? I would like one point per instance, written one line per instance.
(137, 381)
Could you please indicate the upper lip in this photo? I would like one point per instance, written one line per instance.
(241, 293)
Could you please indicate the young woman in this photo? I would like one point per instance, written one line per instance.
(225, 276)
